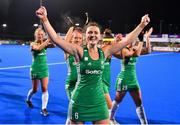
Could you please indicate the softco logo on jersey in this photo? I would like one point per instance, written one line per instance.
(87, 71)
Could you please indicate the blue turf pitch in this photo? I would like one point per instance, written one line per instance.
(158, 75)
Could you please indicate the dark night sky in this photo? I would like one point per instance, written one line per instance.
(119, 15)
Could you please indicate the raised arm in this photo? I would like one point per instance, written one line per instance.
(137, 49)
(50, 44)
(147, 49)
(118, 38)
(134, 51)
(39, 47)
(69, 33)
(67, 47)
(129, 38)
(68, 38)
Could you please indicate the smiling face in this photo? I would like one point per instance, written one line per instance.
(77, 38)
(39, 34)
(93, 35)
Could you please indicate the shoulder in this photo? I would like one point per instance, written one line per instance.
(125, 50)
(105, 48)
(33, 43)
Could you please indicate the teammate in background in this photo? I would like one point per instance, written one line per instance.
(108, 40)
(127, 79)
(39, 69)
(87, 100)
(74, 36)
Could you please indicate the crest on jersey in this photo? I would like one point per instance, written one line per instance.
(89, 64)
(85, 58)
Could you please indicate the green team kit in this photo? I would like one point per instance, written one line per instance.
(88, 101)
(106, 76)
(72, 75)
(39, 67)
(126, 79)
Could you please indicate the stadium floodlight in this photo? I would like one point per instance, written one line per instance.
(4, 25)
(77, 24)
(35, 25)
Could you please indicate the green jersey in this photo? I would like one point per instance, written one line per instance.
(106, 75)
(39, 67)
(127, 78)
(88, 101)
(72, 75)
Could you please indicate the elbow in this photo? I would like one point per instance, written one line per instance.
(125, 42)
(129, 39)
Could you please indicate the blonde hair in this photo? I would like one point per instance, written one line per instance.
(37, 30)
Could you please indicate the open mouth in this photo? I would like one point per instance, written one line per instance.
(92, 38)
